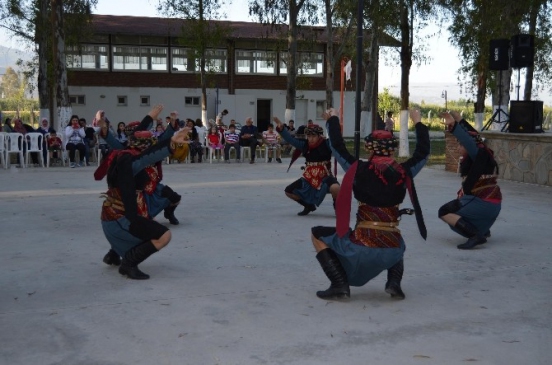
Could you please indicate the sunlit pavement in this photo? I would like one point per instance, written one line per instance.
(237, 283)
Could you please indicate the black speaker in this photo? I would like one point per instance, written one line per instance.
(499, 54)
(526, 116)
(522, 51)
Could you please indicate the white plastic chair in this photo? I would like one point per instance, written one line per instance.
(243, 150)
(213, 155)
(232, 148)
(35, 143)
(15, 145)
(3, 149)
(275, 150)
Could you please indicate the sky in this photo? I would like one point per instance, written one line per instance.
(428, 81)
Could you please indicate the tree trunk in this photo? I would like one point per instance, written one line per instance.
(62, 90)
(330, 60)
(479, 108)
(531, 69)
(370, 67)
(406, 64)
(292, 63)
(41, 36)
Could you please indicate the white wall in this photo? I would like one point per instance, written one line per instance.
(240, 106)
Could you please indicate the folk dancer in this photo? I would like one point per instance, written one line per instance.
(479, 199)
(355, 256)
(317, 180)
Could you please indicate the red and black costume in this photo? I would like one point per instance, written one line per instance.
(479, 199)
(355, 256)
(317, 177)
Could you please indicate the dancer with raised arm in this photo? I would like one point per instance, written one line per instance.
(317, 180)
(126, 221)
(355, 256)
(479, 199)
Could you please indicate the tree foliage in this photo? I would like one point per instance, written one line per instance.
(199, 33)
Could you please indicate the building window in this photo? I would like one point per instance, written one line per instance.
(256, 62)
(121, 100)
(185, 60)
(139, 58)
(308, 64)
(191, 100)
(77, 99)
(88, 57)
(216, 60)
(144, 100)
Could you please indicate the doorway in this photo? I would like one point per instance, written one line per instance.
(264, 114)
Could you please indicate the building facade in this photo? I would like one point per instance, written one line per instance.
(132, 63)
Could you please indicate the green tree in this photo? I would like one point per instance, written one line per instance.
(11, 84)
(14, 86)
(476, 22)
(339, 22)
(39, 28)
(200, 33)
(294, 14)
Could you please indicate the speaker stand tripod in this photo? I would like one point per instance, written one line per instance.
(498, 112)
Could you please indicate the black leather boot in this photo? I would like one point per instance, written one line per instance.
(134, 256)
(112, 258)
(339, 286)
(394, 277)
(475, 238)
(308, 208)
(169, 214)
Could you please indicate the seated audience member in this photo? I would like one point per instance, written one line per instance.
(44, 129)
(214, 139)
(201, 132)
(248, 137)
(158, 130)
(54, 145)
(270, 139)
(74, 135)
(301, 129)
(292, 131)
(90, 139)
(196, 148)
(232, 140)
(121, 135)
(19, 127)
(7, 126)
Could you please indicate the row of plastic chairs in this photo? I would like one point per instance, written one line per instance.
(261, 152)
(22, 146)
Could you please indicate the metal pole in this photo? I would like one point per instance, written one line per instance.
(358, 76)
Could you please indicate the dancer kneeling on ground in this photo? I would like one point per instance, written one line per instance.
(355, 256)
(479, 200)
(311, 189)
(126, 221)
(163, 198)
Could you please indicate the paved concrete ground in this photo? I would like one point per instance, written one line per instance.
(236, 285)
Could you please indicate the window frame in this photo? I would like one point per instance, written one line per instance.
(256, 60)
(191, 100)
(139, 58)
(142, 97)
(302, 59)
(77, 99)
(74, 57)
(119, 97)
